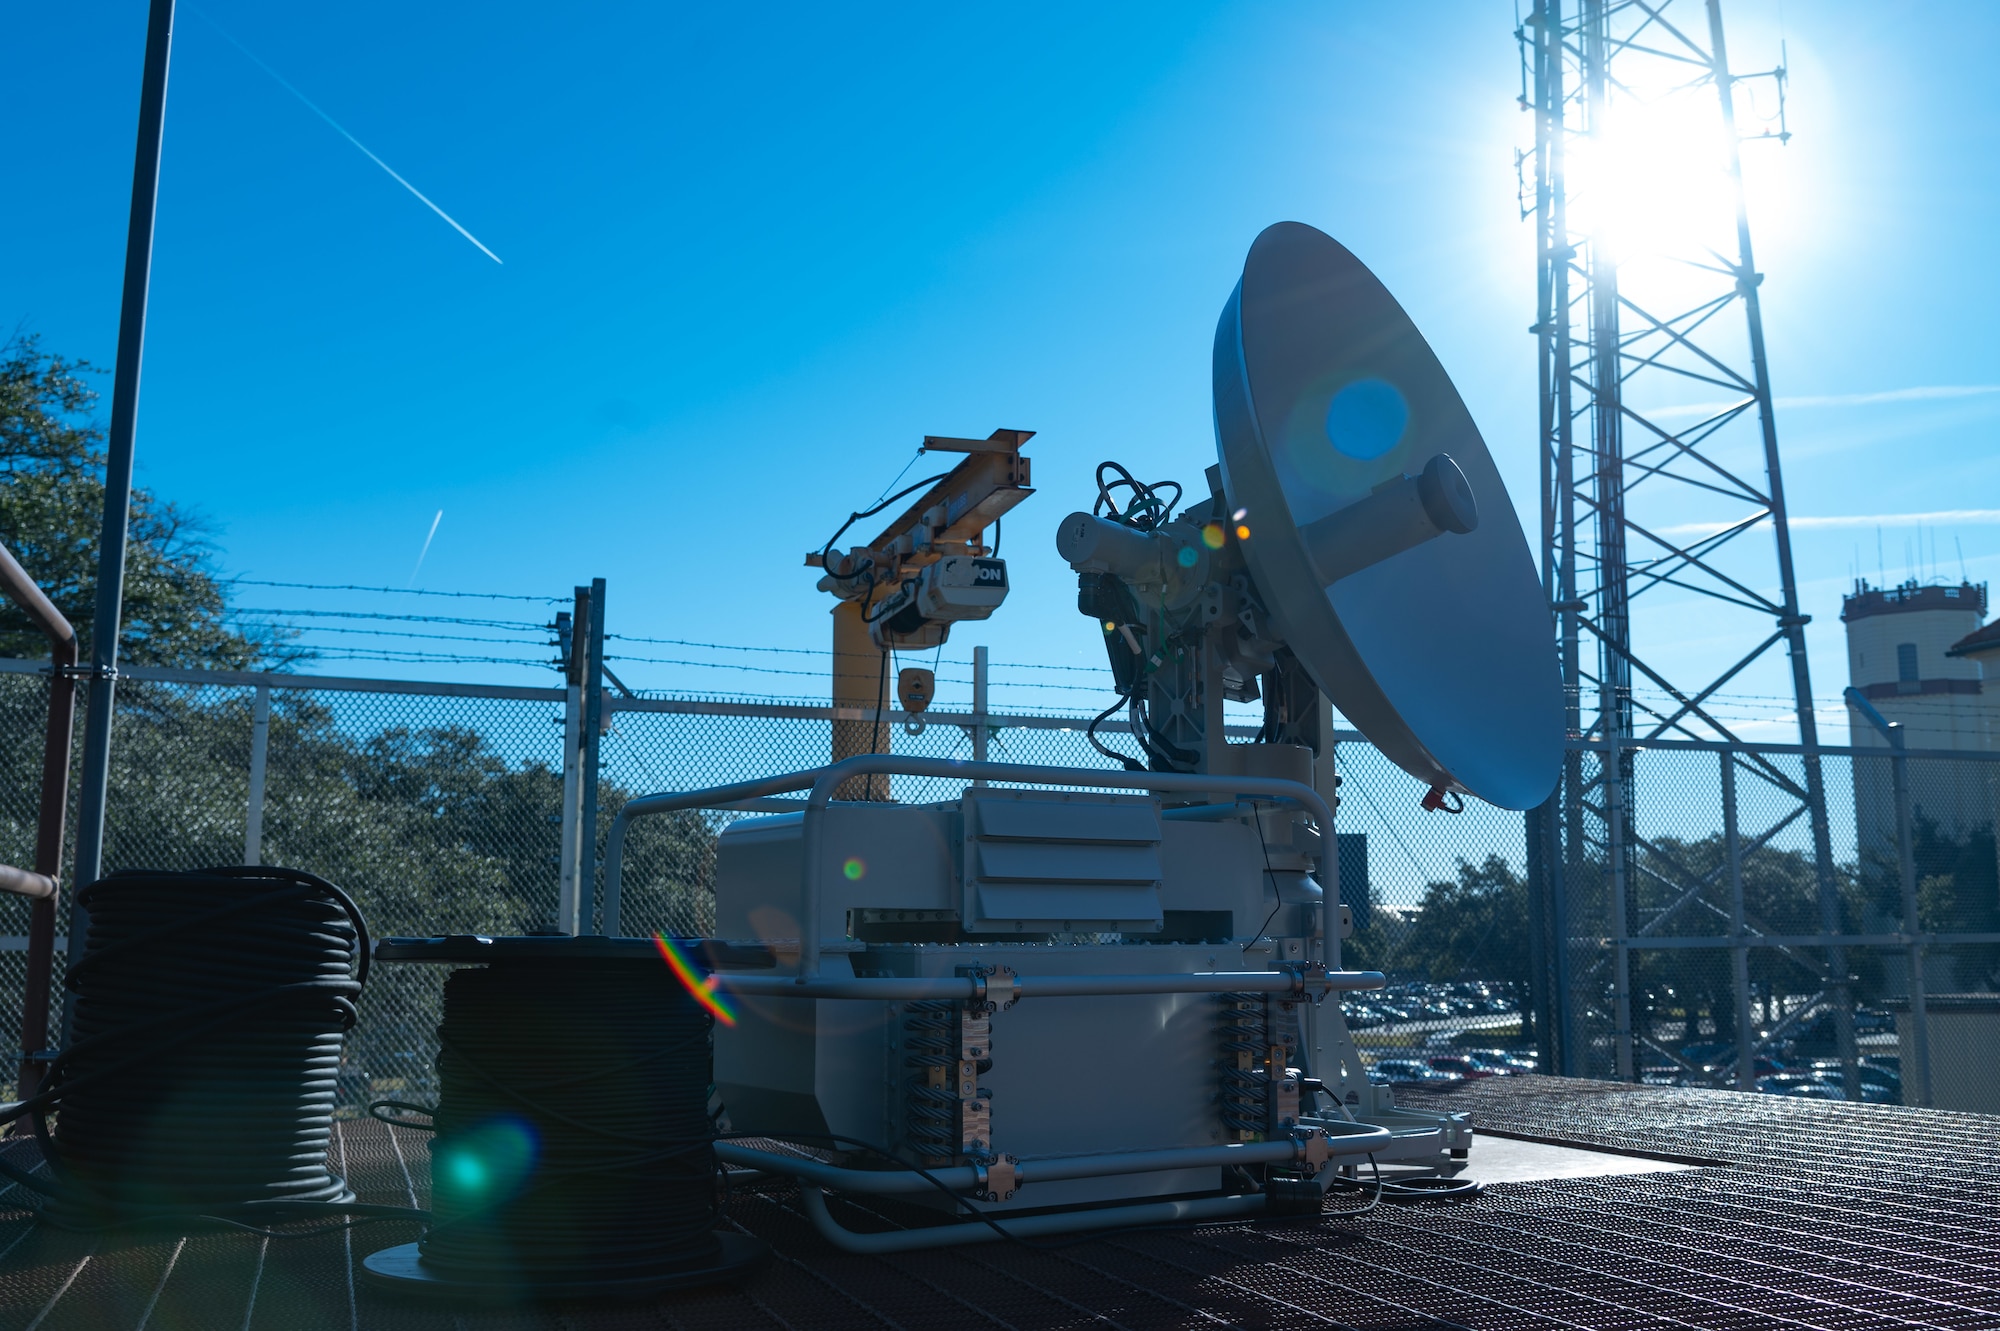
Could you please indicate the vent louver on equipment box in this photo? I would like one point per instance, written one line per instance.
(1037, 861)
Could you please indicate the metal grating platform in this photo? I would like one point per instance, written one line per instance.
(1812, 1215)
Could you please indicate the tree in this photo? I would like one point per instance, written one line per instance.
(1680, 888)
(1958, 891)
(1474, 927)
(51, 505)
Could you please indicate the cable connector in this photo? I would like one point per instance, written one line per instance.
(999, 1178)
(999, 987)
(1314, 1149)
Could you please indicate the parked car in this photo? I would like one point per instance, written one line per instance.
(1464, 1065)
(1802, 1085)
(1514, 1060)
(1410, 1072)
(1722, 1058)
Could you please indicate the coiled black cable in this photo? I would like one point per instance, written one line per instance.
(202, 1069)
(573, 1143)
(930, 1032)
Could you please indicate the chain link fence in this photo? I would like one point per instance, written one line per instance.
(1654, 925)
(1700, 930)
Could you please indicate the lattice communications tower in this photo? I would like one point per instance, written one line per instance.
(1660, 477)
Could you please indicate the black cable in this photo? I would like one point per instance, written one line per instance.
(572, 1137)
(994, 553)
(881, 705)
(1257, 821)
(853, 518)
(201, 1075)
(1090, 733)
(1161, 751)
(1146, 511)
(1346, 1184)
(1427, 1189)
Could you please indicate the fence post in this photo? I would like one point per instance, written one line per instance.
(1906, 873)
(1739, 952)
(979, 707)
(260, 744)
(593, 734)
(1621, 964)
(1913, 929)
(568, 895)
(1541, 931)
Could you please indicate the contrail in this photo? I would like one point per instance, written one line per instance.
(1921, 393)
(340, 130)
(428, 538)
(1951, 517)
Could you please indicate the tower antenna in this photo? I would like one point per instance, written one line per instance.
(1635, 329)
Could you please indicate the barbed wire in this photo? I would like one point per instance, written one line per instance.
(391, 656)
(824, 651)
(1729, 708)
(396, 591)
(716, 646)
(821, 674)
(381, 633)
(520, 625)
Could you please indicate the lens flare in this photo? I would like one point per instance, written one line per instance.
(485, 1165)
(1186, 556)
(1242, 533)
(706, 992)
(1212, 537)
(854, 869)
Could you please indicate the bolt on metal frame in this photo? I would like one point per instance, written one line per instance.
(1602, 350)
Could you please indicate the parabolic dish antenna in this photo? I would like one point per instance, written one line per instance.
(1380, 533)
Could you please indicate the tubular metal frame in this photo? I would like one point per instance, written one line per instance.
(821, 782)
(43, 882)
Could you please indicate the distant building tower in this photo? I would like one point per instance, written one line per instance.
(1982, 646)
(1919, 655)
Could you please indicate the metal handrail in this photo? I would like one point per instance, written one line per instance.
(42, 882)
(1337, 1138)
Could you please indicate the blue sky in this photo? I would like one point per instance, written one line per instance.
(752, 256)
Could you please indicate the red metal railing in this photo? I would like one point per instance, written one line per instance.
(41, 883)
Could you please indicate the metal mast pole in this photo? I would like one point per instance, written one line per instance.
(118, 458)
(1558, 823)
(1641, 336)
(1790, 622)
(1614, 620)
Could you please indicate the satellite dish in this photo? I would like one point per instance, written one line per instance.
(1380, 533)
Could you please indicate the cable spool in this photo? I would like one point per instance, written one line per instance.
(200, 1076)
(573, 1154)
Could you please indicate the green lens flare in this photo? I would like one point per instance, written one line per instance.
(485, 1165)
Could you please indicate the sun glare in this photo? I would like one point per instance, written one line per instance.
(1654, 182)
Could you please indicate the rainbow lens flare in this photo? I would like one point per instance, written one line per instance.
(854, 869)
(706, 992)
